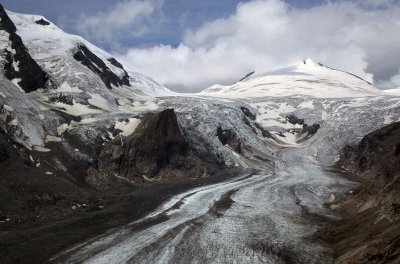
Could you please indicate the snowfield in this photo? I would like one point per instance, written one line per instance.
(305, 78)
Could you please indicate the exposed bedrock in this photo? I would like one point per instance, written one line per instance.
(248, 115)
(31, 75)
(228, 137)
(96, 65)
(42, 22)
(370, 233)
(307, 129)
(156, 151)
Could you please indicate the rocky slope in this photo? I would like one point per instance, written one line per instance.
(370, 230)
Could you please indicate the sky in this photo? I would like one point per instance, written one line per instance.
(188, 45)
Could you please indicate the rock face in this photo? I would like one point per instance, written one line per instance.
(96, 65)
(371, 231)
(228, 137)
(31, 75)
(30, 191)
(42, 22)
(248, 113)
(156, 151)
(307, 129)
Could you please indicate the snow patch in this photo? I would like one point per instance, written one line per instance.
(307, 104)
(98, 101)
(8, 108)
(128, 127)
(14, 122)
(41, 149)
(50, 138)
(77, 109)
(387, 119)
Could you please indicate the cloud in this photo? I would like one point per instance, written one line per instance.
(359, 37)
(131, 18)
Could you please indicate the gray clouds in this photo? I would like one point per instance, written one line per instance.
(360, 36)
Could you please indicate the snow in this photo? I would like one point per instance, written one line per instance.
(53, 50)
(267, 206)
(41, 149)
(50, 138)
(14, 122)
(2, 95)
(16, 81)
(60, 42)
(137, 106)
(395, 92)
(388, 119)
(8, 108)
(5, 42)
(98, 101)
(76, 109)
(85, 121)
(305, 79)
(62, 128)
(307, 104)
(127, 127)
(66, 88)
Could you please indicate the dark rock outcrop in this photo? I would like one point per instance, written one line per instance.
(294, 120)
(370, 231)
(264, 132)
(31, 75)
(96, 65)
(157, 151)
(42, 22)
(311, 130)
(228, 137)
(247, 76)
(307, 129)
(248, 113)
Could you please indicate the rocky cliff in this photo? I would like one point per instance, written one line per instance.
(157, 151)
(370, 229)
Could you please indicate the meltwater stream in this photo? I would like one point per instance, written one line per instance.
(268, 217)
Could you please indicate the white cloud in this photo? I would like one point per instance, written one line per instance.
(266, 34)
(133, 17)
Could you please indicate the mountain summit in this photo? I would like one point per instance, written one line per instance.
(302, 79)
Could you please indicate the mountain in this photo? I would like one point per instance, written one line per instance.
(305, 78)
(88, 145)
(371, 230)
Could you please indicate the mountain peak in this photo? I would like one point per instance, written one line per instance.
(306, 78)
(309, 62)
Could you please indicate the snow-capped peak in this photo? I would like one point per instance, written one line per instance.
(306, 78)
(58, 52)
(308, 63)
